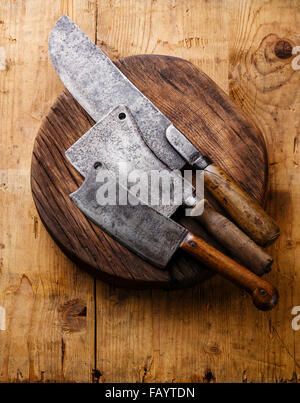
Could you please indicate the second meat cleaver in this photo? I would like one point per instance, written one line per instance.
(117, 142)
(99, 86)
(156, 237)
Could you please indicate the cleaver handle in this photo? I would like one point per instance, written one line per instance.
(240, 246)
(240, 206)
(264, 294)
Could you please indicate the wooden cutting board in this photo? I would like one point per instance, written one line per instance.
(197, 107)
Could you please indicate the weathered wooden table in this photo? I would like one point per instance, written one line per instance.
(59, 324)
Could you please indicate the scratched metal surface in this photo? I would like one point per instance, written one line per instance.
(118, 144)
(186, 149)
(140, 228)
(99, 86)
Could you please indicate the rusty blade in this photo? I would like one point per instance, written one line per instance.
(141, 229)
(116, 140)
(99, 86)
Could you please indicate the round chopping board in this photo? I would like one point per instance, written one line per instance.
(197, 107)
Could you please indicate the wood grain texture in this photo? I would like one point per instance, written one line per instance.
(209, 333)
(49, 304)
(264, 83)
(168, 82)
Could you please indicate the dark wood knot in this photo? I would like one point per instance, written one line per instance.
(73, 316)
(215, 349)
(283, 49)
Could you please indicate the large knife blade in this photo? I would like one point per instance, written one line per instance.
(156, 238)
(116, 141)
(99, 86)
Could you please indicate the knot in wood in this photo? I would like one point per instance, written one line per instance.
(283, 49)
(73, 316)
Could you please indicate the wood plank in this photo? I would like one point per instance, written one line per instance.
(267, 87)
(49, 304)
(210, 332)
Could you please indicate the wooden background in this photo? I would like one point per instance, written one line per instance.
(61, 324)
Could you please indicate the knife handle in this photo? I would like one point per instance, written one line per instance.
(264, 294)
(240, 246)
(240, 206)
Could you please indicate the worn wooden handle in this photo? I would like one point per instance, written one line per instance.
(240, 206)
(264, 295)
(237, 243)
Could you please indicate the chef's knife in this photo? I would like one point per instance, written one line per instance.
(156, 238)
(99, 86)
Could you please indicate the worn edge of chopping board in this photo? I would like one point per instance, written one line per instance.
(201, 110)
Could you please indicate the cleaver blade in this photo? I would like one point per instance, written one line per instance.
(156, 238)
(140, 228)
(116, 142)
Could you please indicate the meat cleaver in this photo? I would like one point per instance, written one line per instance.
(99, 86)
(156, 238)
